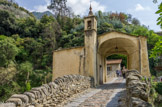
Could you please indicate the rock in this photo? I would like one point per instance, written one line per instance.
(137, 83)
(136, 102)
(132, 77)
(42, 92)
(139, 93)
(24, 98)
(7, 105)
(31, 96)
(16, 101)
(129, 72)
(31, 106)
(38, 105)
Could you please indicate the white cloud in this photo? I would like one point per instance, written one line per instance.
(81, 7)
(42, 8)
(146, 15)
(139, 7)
(30, 10)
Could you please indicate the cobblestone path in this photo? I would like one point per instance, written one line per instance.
(106, 95)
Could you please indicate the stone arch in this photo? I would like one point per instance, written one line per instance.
(113, 35)
(126, 44)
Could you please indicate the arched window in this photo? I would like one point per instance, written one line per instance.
(89, 25)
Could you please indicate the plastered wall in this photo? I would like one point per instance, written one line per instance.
(68, 61)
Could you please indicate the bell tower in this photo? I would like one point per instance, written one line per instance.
(90, 43)
(90, 22)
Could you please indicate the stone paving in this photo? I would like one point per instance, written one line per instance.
(106, 95)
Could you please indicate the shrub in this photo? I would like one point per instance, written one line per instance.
(28, 86)
(158, 88)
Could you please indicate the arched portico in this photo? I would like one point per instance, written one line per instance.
(98, 47)
(118, 43)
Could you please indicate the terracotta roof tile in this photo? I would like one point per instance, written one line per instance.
(116, 61)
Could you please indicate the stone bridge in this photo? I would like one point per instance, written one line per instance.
(78, 91)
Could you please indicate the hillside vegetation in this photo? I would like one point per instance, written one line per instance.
(39, 15)
(26, 43)
(14, 8)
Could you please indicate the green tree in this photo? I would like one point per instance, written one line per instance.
(135, 21)
(160, 15)
(27, 69)
(157, 50)
(8, 25)
(8, 51)
(47, 19)
(59, 7)
(140, 30)
(29, 27)
(30, 50)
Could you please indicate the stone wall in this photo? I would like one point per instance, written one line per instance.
(50, 94)
(138, 89)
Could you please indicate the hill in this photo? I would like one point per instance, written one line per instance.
(39, 15)
(15, 9)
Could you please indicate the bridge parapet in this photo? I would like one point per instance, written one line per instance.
(138, 89)
(50, 94)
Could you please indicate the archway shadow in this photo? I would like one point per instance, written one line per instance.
(108, 86)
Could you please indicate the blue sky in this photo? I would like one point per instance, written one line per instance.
(144, 10)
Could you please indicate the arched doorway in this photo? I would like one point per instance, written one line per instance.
(115, 63)
(119, 43)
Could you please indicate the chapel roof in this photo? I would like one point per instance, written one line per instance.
(116, 61)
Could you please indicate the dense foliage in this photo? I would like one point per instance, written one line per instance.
(11, 6)
(157, 50)
(159, 88)
(8, 50)
(160, 15)
(26, 44)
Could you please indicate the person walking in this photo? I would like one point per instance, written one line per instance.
(117, 73)
(120, 73)
(123, 71)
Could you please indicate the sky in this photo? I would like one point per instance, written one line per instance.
(144, 10)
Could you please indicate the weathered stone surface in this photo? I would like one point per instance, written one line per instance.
(136, 102)
(138, 89)
(52, 93)
(38, 105)
(31, 96)
(7, 105)
(159, 98)
(16, 101)
(129, 72)
(42, 94)
(24, 98)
